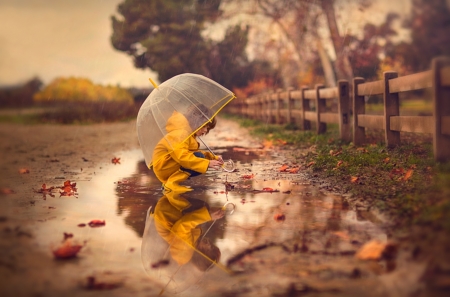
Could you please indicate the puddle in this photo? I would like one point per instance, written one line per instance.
(122, 194)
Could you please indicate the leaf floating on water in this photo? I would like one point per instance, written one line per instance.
(96, 223)
(93, 284)
(24, 171)
(279, 217)
(67, 250)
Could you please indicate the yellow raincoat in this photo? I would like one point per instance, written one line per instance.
(180, 230)
(176, 150)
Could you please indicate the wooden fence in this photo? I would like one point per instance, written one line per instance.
(345, 105)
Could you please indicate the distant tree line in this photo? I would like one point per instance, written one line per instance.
(20, 95)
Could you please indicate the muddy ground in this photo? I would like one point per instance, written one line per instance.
(317, 261)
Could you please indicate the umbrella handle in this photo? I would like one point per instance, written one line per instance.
(206, 146)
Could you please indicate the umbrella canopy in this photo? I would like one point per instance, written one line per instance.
(184, 103)
(171, 253)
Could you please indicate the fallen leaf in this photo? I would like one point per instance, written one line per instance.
(115, 160)
(408, 174)
(67, 235)
(268, 190)
(67, 250)
(354, 179)
(24, 171)
(93, 284)
(372, 250)
(342, 234)
(279, 217)
(6, 191)
(310, 164)
(283, 168)
(267, 144)
(96, 223)
(294, 170)
(248, 176)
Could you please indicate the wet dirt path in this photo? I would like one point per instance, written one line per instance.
(285, 238)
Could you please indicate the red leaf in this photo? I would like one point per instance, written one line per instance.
(267, 190)
(279, 217)
(283, 168)
(115, 160)
(96, 223)
(67, 250)
(248, 176)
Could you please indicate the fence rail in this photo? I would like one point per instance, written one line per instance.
(322, 106)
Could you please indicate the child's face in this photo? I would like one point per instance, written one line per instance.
(202, 131)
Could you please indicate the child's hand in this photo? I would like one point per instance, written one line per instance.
(215, 164)
(219, 158)
(216, 213)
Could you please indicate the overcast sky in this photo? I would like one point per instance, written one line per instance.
(52, 38)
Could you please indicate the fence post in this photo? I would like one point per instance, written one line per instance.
(391, 108)
(289, 106)
(259, 106)
(320, 108)
(441, 105)
(344, 110)
(359, 133)
(306, 124)
(277, 107)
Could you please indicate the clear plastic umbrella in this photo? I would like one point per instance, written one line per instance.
(187, 99)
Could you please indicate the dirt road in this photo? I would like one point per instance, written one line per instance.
(310, 251)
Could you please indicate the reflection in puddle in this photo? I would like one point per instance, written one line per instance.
(321, 224)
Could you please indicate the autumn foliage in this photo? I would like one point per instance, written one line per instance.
(81, 89)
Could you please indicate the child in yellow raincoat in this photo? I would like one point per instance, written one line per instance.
(177, 156)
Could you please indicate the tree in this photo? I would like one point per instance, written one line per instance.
(430, 35)
(20, 95)
(365, 53)
(166, 37)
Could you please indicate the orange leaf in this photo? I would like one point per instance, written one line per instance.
(24, 171)
(267, 144)
(354, 179)
(408, 174)
(342, 234)
(339, 163)
(115, 160)
(67, 250)
(310, 164)
(294, 170)
(283, 168)
(267, 190)
(282, 142)
(371, 250)
(6, 191)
